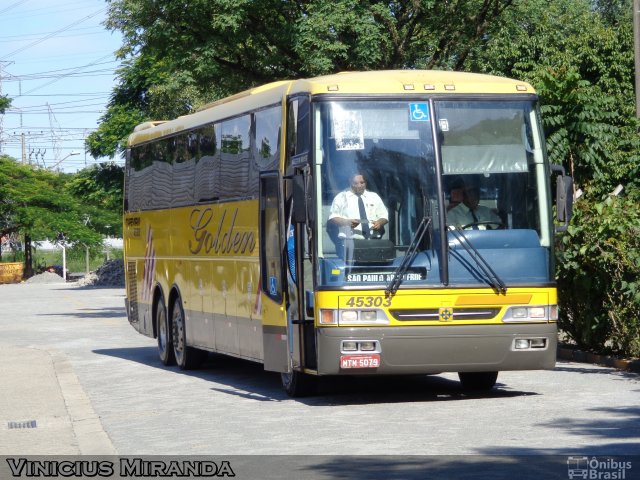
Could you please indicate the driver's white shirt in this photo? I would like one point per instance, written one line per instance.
(461, 215)
(345, 205)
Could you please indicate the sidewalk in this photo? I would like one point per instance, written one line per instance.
(43, 408)
(573, 354)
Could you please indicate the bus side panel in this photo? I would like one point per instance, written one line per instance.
(249, 326)
(215, 248)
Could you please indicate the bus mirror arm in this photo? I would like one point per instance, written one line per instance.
(564, 198)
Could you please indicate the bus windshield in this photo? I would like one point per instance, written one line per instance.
(379, 168)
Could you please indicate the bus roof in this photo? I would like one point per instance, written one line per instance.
(389, 82)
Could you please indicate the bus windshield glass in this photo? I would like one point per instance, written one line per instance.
(379, 167)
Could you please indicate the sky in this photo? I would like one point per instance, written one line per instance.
(57, 63)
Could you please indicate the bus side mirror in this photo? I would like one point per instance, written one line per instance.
(564, 198)
(299, 199)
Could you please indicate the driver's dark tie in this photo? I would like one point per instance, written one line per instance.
(475, 219)
(364, 222)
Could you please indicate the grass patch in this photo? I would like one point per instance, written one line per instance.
(76, 258)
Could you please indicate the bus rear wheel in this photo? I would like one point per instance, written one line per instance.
(478, 381)
(298, 384)
(165, 344)
(187, 357)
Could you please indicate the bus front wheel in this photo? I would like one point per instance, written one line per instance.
(298, 384)
(478, 381)
(165, 344)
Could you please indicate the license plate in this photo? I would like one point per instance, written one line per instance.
(360, 361)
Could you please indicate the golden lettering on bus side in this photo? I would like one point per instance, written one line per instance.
(218, 237)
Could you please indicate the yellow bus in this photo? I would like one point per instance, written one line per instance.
(240, 237)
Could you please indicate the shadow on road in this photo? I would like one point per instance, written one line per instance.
(247, 379)
(115, 312)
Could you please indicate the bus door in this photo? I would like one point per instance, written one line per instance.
(275, 336)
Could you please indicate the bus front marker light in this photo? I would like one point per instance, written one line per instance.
(368, 315)
(522, 344)
(553, 312)
(327, 317)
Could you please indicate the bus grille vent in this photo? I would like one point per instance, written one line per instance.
(132, 292)
(433, 314)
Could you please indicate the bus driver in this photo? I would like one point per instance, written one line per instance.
(470, 212)
(357, 212)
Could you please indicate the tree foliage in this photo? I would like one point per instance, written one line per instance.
(5, 102)
(36, 202)
(99, 190)
(598, 274)
(39, 204)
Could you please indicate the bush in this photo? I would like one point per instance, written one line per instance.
(598, 265)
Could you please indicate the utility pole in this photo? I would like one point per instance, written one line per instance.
(24, 148)
(2, 65)
(636, 43)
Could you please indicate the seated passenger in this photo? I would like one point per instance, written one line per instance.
(470, 212)
(357, 213)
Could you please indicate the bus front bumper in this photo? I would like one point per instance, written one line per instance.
(436, 349)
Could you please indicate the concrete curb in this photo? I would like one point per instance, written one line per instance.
(91, 437)
(572, 354)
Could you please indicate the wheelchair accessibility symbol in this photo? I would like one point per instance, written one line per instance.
(419, 112)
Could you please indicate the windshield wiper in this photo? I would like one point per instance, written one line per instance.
(494, 280)
(408, 258)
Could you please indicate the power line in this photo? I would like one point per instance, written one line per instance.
(25, 36)
(53, 34)
(62, 70)
(66, 75)
(11, 6)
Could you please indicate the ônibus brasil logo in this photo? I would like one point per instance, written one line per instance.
(595, 468)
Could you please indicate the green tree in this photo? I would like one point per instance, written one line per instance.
(99, 190)
(598, 265)
(35, 204)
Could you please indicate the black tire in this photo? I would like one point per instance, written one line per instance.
(298, 384)
(478, 381)
(163, 329)
(186, 357)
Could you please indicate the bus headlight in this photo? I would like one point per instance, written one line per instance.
(537, 313)
(368, 315)
(348, 316)
(360, 317)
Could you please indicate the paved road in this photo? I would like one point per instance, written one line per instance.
(71, 362)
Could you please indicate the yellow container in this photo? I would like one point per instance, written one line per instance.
(11, 272)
